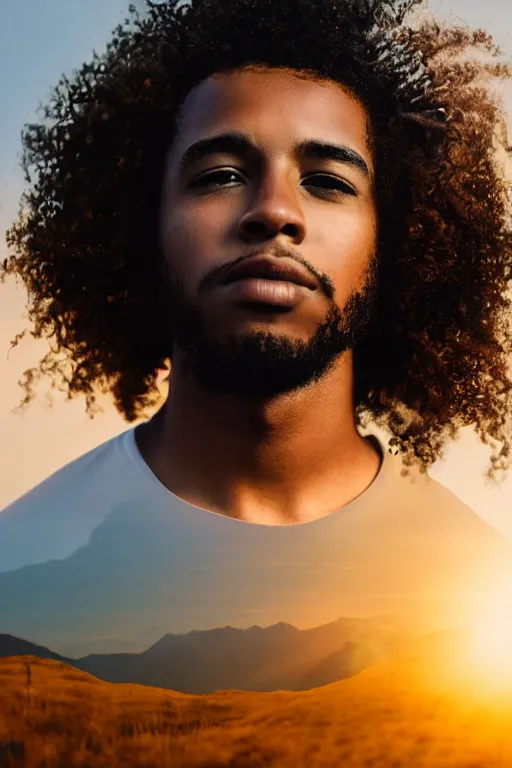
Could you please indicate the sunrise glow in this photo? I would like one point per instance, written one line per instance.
(491, 641)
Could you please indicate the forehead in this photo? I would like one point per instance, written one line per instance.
(274, 106)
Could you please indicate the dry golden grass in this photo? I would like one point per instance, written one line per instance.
(417, 711)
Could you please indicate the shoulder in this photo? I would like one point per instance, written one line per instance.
(58, 515)
(434, 510)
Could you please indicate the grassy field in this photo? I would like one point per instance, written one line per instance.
(423, 709)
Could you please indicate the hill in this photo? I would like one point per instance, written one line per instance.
(423, 709)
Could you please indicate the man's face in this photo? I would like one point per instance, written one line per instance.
(285, 172)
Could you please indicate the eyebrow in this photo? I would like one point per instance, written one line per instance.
(239, 143)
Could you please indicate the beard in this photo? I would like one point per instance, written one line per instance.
(264, 364)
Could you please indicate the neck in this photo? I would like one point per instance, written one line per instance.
(290, 459)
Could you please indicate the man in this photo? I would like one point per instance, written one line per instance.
(284, 200)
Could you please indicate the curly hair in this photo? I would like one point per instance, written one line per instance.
(86, 238)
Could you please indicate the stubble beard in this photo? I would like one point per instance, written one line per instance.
(265, 364)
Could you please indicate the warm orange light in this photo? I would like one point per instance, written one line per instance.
(491, 642)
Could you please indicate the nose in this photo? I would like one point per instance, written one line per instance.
(274, 209)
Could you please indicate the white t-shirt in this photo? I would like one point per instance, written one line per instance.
(101, 559)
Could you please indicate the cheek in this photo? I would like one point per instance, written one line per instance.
(181, 245)
(191, 232)
(352, 243)
(194, 239)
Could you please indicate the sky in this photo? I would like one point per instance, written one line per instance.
(38, 43)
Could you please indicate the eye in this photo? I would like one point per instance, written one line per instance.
(329, 184)
(220, 177)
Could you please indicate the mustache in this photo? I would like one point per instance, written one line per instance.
(277, 251)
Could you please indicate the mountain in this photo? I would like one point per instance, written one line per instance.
(279, 657)
(14, 646)
(105, 588)
(349, 660)
(144, 572)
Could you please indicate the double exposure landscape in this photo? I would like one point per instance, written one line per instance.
(158, 644)
(436, 702)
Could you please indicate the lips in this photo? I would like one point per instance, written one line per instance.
(269, 268)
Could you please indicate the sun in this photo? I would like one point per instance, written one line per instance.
(491, 642)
